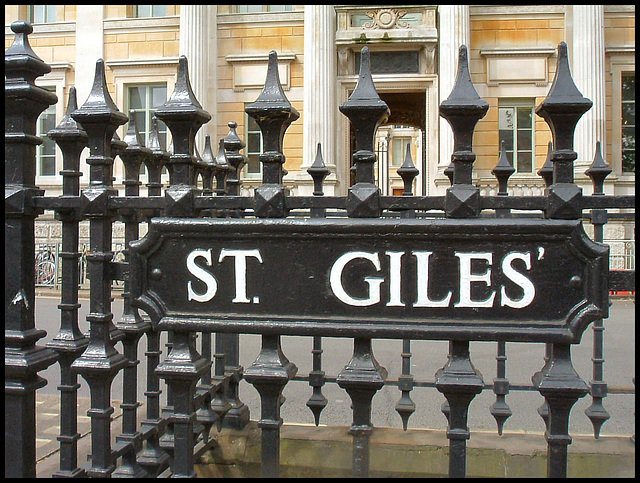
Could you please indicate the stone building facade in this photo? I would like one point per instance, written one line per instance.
(513, 51)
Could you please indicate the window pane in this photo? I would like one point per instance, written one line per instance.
(141, 124)
(252, 125)
(628, 87)
(629, 162)
(507, 137)
(136, 97)
(159, 11)
(143, 11)
(391, 62)
(158, 96)
(253, 164)
(249, 8)
(506, 118)
(253, 143)
(524, 118)
(524, 140)
(524, 162)
(47, 166)
(629, 113)
(279, 8)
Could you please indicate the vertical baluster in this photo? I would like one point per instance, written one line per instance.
(462, 110)
(238, 415)
(561, 387)
(222, 170)
(366, 111)
(209, 161)
(24, 102)
(318, 171)
(362, 377)
(546, 173)
(317, 402)
(558, 382)
(152, 458)
(100, 362)
(598, 171)
(220, 404)
(232, 145)
(205, 415)
(183, 367)
(500, 409)
(459, 381)
(131, 323)
(269, 373)
(69, 343)
(405, 405)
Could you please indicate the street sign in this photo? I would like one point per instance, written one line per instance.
(480, 279)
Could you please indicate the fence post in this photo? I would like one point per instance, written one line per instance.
(100, 363)
(462, 110)
(557, 381)
(24, 101)
(366, 111)
(70, 342)
(183, 366)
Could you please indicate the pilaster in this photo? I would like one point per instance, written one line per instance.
(198, 40)
(453, 31)
(587, 68)
(320, 102)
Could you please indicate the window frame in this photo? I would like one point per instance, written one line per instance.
(42, 133)
(265, 9)
(620, 62)
(622, 125)
(148, 115)
(516, 104)
(136, 13)
(49, 11)
(245, 171)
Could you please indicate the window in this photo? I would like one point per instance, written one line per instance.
(46, 152)
(263, 8)
(143, 100)
(629, 122)
(515, 123)
(253, 169)
(41, 13)
(399, 150)
(142, 11)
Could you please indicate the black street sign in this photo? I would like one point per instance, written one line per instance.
(481, 279)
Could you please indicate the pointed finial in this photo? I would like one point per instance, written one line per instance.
(318, 171)
(408, 172)
(68, 127)
(132, 136)
(598, 171)
(546, 172)
(564, 105)
(20, 57)
(503, 170)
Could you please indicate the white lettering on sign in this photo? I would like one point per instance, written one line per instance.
(468, 276)
(240, 271)
(466, 279)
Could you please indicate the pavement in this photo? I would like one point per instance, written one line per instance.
(47, 449)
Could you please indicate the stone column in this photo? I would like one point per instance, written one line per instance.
(89, 31)
(195, 40)
(320, 102)
(453, 31)
(587, 67)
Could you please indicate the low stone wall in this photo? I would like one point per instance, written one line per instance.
(307, 451)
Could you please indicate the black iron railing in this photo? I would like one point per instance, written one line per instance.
(202, 385)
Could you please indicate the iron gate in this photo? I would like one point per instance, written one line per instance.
(376, 254)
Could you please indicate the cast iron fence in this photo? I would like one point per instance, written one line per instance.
(202, 387)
